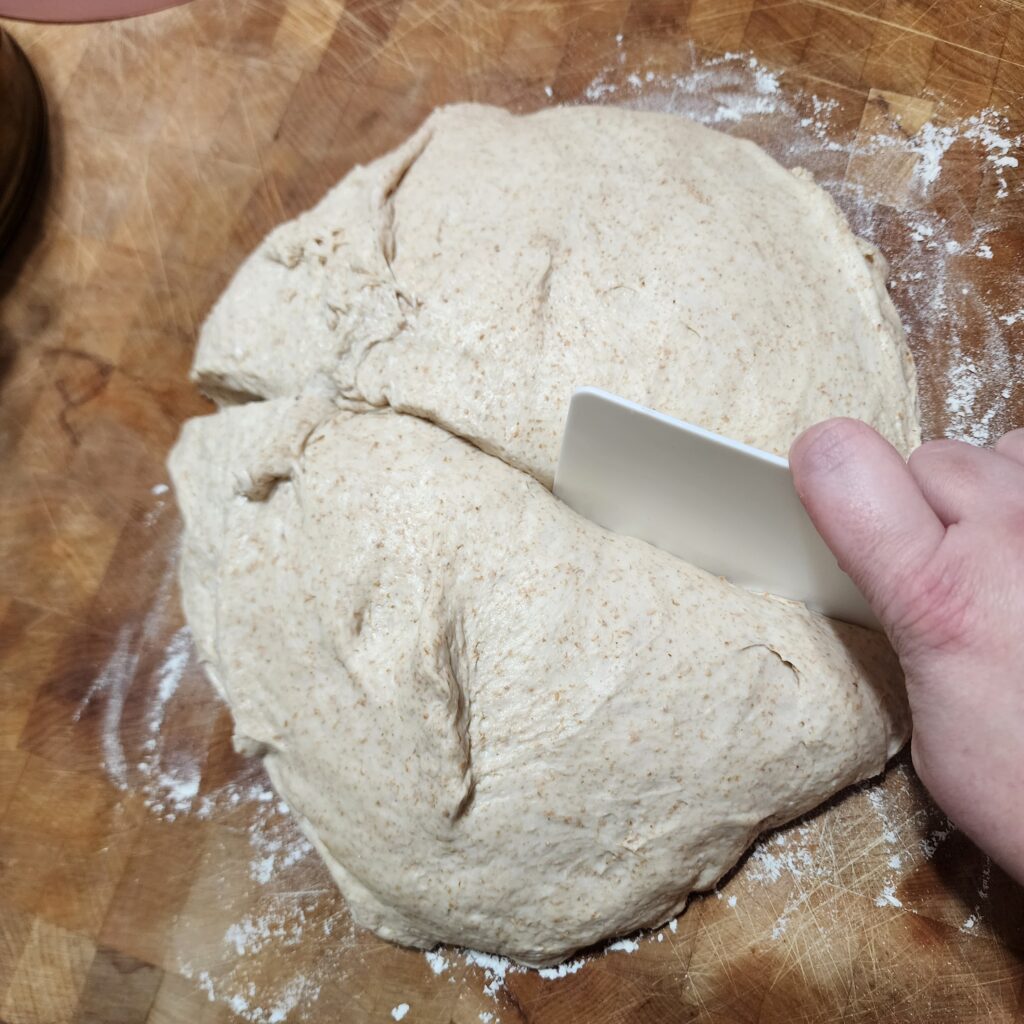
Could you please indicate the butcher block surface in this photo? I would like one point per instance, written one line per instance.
(147, 872)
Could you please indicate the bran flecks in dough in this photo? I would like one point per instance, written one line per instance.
(501, 725)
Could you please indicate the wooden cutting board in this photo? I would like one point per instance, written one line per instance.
(146, 872)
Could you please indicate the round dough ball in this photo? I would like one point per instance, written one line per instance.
(501, 725)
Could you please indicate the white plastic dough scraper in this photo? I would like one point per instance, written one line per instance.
(719, 504)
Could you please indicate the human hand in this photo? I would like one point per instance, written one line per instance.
(937, 546)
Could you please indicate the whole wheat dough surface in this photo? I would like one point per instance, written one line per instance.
(501, 725)
(492, 263)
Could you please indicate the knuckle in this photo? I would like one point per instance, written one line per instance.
(1011, 444)
(942, 451)
(955, 464)
(1011, 437)
(926, 452)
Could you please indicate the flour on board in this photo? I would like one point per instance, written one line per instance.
(247, 1004)
(437, 961)
(977, 915)
(623, 946)
(564, 969)
(163, 766)
(494, 967)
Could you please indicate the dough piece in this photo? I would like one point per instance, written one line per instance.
(493, 263)
(501, 725)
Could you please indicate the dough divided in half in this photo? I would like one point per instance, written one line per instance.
(502, 726)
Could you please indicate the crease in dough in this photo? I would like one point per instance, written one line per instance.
(500, 725)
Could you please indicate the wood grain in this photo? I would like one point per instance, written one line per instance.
(146, 872)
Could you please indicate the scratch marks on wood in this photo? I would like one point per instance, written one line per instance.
(908, 29)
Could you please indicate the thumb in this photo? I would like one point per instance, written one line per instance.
(868, 509)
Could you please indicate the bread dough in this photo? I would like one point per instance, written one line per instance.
(493, 263)
(502, 726)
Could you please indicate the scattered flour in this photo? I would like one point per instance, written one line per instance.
(110, 687)
(295, 993)
(563, 969)
(281, 920)
(898, 827)
(876, 797)
(152, 516)
(887, 897)
(989, 128)
(145, 755)
(495, 969)
(783, 854)
(977, 914)
(274, 852)
(170, 784)
(437, 961)
(717, 90)
(935, 839)
(169, 674)
(782, 921)
(624, 946)
(281, 926)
